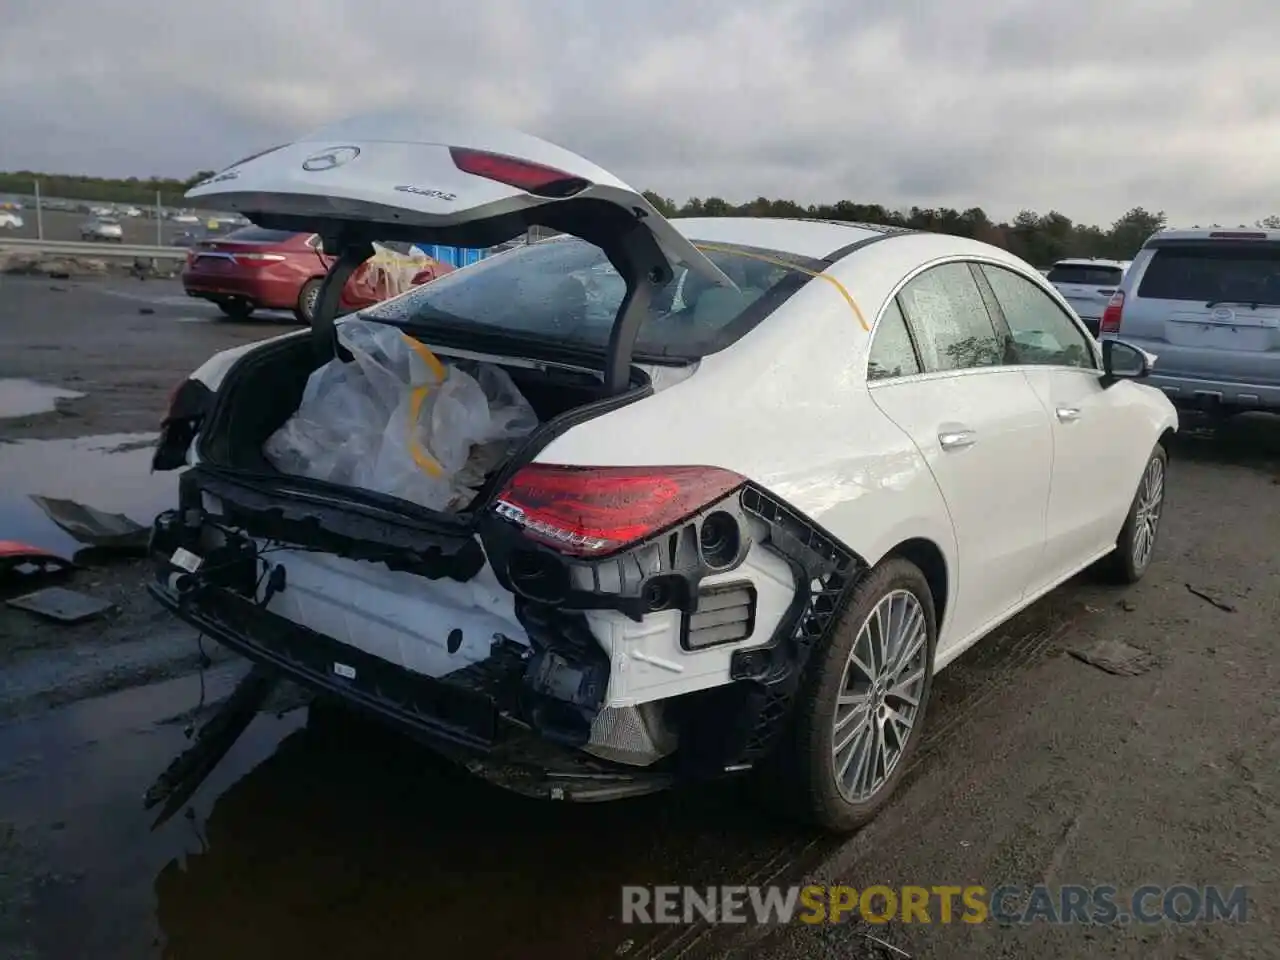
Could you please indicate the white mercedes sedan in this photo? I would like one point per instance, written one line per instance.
(651, 501)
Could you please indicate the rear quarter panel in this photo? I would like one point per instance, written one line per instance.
(787, 407)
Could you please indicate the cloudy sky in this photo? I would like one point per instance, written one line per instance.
(1090, 107)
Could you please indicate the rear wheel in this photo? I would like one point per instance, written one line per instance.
(1137, 541)
(859, 717)
(236, 309)
(308, 297)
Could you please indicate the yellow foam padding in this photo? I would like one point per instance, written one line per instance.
(418, 396)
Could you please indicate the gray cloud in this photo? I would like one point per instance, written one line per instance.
(1090, 107)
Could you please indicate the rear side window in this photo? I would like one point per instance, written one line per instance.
(1214, 272)
(892, 354)
(953, 328)
(1086, 274)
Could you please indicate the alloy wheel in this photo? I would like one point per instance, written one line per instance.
(1147, 513)
(880, 693)
(309, 301)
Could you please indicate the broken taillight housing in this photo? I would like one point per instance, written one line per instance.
(595, 511)
(541, 181)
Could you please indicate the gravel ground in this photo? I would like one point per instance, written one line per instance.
(317, 838)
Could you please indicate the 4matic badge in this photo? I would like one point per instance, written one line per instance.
(424, 192)
(328, 159)
(219, 178)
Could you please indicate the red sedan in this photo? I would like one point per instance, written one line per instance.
(254, 269)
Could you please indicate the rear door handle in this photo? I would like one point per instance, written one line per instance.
(1068, 414)
(956, 438)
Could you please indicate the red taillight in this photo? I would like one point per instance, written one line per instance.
(592, 511)
(1111, 315)
(522, 174)
(257, 259)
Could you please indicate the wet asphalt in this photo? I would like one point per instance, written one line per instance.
(322, 834)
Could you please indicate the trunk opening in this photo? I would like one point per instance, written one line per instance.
(264, 390)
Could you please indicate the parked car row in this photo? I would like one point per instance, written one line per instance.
(258, 269)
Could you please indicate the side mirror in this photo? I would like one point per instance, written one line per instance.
(1124, 361)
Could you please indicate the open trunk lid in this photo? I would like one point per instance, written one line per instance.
(392, 176)
(396, 177)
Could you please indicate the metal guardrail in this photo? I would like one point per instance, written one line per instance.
(75, 248)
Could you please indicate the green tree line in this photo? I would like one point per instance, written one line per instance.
(1038, 238)
(133, 190)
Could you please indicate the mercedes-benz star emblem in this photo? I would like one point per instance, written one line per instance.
(328, 159)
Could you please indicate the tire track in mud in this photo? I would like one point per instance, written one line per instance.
(997, 661)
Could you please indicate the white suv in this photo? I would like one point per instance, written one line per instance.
(1087, 285)
(1207, 303)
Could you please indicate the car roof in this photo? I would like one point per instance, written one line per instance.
(817, 239)
(1215, 233)
(1091, 262)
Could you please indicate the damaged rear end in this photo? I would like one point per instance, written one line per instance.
(565, 630)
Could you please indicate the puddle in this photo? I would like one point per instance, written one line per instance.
(111, 472)
(25, 398)
(320, 835)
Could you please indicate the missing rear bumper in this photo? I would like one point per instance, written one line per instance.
(465, 725)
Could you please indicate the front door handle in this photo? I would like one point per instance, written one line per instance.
(1068, 414)
(957, 438)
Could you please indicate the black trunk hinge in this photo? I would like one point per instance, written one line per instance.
(645, 269)
(352, 252)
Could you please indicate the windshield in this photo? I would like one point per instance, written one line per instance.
(1214, 272)
(1087, 274)
(566, 290)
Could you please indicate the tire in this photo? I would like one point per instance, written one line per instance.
(1132, 556)
(810, 765)
(236, 309)
(306, 306)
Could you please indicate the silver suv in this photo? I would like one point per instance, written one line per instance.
(1207, 303)
(1088, 285)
